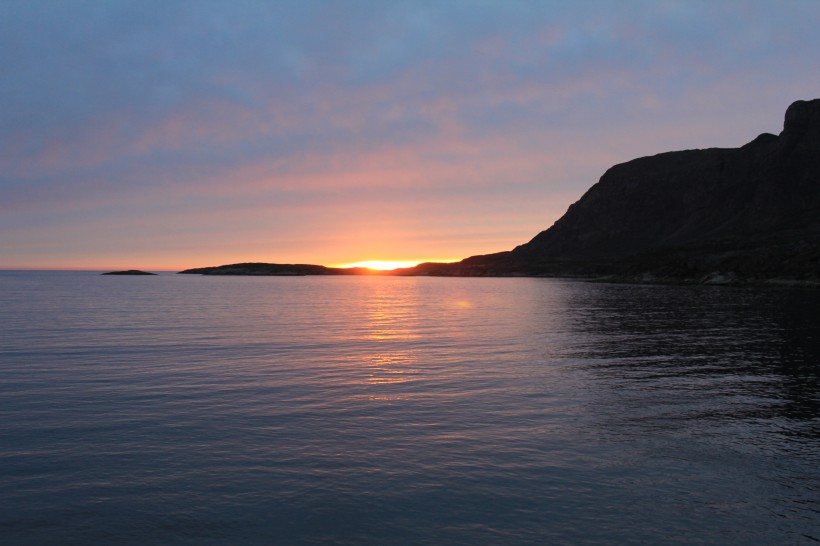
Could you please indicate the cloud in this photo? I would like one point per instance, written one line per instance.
(164, 110)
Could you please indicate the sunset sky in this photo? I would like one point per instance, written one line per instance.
(166, 135)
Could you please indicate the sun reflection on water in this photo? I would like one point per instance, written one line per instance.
(397, 319)
(391, 369)
(394, 325)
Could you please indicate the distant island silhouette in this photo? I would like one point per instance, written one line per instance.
(283, 270)
(128, 272)
(714, 216)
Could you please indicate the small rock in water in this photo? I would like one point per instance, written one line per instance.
(129, 272)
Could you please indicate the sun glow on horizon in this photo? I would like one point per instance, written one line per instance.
(386, 265)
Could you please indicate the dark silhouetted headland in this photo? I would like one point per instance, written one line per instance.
(717, 215)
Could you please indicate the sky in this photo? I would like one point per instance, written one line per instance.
(163, 134)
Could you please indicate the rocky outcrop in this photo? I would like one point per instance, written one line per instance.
(768, 186)
(128, 272)
(277, 270)
(750, 213)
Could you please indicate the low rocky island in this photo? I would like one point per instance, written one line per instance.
(128, 272)
(275, 270)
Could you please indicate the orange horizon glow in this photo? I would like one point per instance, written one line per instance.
(171, 266)
(388, 265)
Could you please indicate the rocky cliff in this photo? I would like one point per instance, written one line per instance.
(748, 213)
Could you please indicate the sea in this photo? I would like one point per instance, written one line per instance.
(184, 409)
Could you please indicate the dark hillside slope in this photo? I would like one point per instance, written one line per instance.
(752, 212)
(768, 186)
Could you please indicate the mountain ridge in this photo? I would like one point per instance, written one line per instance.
(750, 213)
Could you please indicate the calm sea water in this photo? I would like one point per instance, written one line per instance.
(368, 410)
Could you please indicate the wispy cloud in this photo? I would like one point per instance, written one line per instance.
(366, 120)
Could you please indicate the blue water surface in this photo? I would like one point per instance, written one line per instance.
(381, 410)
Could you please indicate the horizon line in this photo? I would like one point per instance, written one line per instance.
(375, 265)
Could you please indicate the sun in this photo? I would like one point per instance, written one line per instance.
(381, 265)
